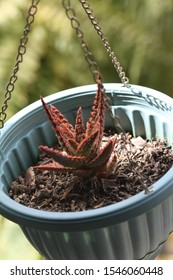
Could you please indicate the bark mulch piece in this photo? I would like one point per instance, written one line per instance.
(140, 163)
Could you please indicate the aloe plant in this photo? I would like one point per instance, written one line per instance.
(81, 149)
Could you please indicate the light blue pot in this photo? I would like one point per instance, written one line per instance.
(135, 228)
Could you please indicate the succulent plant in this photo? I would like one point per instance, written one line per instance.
(81, 149)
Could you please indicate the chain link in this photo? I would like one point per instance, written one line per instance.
(111, 54)
(19, 59)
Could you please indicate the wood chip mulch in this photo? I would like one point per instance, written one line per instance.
(140, 163)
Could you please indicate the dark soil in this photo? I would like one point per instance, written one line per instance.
(140, 163)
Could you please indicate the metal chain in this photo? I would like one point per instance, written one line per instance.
(70, 12)
(111, 54)
(19, 59)
(71, 15)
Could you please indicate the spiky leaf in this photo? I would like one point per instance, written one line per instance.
(104, 154)
(64, 159)
(79, 126)
(88, 145)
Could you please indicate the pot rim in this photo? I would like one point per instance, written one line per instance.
(73, 221)
(138, 91)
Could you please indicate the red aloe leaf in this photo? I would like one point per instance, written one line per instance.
(57, 120)
(61, 121)
(72, 147)
(104, 154)
(53, 166)
(62, 128)
(64, 159)
(89, 145)
(69, 144)
(92, 120)
(55, 116)
(79, 126)
(101, 108)
(98, 111)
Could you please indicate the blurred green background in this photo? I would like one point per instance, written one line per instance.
(139, 32)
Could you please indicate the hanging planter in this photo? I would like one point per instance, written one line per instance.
(135, 228)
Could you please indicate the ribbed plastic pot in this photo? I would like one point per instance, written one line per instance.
(135, 228)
